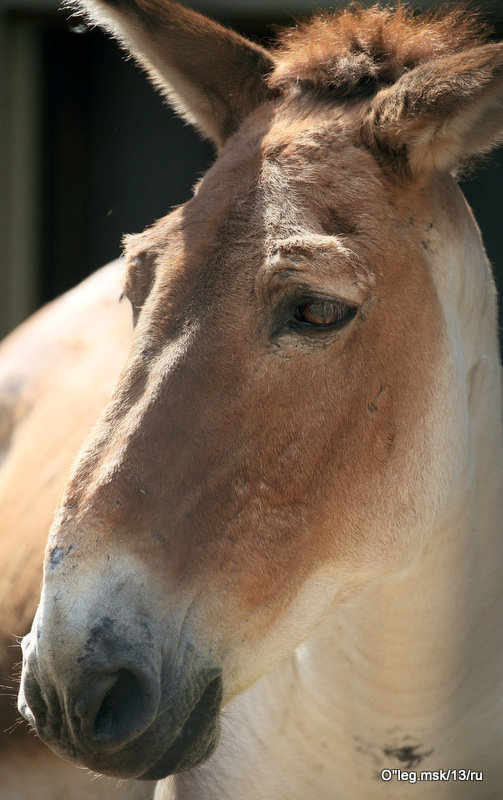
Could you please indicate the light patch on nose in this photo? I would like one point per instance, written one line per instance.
(78, 594)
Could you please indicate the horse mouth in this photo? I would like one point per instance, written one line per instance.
(197, 738)
(191, 738)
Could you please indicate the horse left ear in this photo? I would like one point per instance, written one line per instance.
(212, 76)
(440, 113)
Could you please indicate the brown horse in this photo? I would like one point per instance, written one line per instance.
(290, 509)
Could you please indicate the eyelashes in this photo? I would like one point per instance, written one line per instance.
(323, 313)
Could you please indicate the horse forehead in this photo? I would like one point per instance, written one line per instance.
(276, 179)
(281, 184)
(277, 151)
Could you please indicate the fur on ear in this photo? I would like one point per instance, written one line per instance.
(440, 113)
(212, 76)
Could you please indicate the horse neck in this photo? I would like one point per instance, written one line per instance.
(407, 671)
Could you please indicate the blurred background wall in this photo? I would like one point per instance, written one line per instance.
(88, 151)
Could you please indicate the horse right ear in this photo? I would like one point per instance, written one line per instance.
(440, 113)
(212, 76)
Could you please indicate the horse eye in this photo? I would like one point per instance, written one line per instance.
(324, 313)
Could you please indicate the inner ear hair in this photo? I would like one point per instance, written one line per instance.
(440, 113)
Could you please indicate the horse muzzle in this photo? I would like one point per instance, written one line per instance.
(118, 707)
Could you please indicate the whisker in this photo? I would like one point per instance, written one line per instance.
(13, 728)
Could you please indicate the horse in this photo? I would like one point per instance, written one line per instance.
(275, 571)
(46, 406)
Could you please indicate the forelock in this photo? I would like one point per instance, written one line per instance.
(357, 51)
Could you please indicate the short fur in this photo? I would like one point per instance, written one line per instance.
(300, 521)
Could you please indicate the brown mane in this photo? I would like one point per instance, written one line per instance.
(356, 50)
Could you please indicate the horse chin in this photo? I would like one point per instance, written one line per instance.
(182, 757)
(197, 739)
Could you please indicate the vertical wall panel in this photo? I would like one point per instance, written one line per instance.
(19, 171)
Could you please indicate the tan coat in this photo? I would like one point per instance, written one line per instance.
(275, 571)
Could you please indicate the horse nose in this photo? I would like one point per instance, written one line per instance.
(112, 707)
(102, 708)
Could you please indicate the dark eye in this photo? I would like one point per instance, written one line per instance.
(321, 313)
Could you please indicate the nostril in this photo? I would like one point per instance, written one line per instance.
(117, 709)
(120, 707)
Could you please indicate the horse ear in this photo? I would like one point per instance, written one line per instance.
(212, 76)
(441, 112)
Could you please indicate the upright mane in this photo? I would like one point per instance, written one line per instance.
(356, 51)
